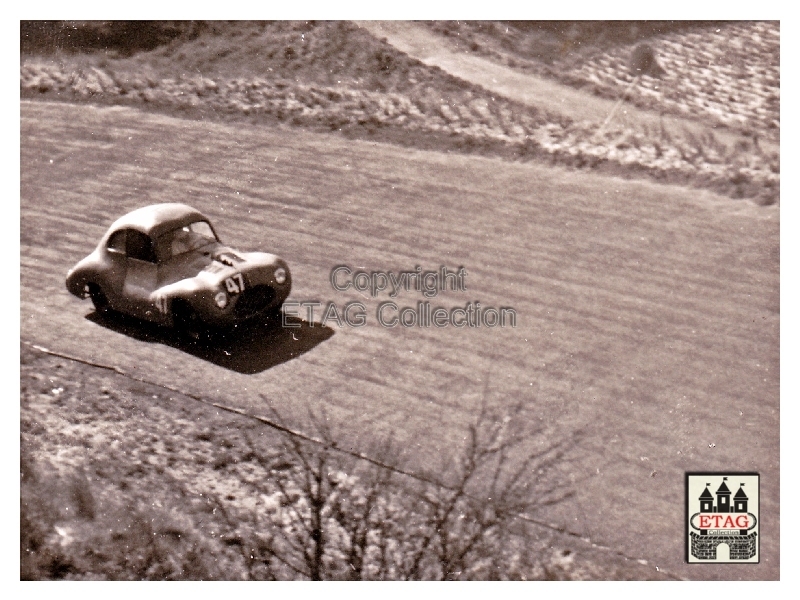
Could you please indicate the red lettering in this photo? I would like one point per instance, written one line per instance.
(722, 521)
(729, 522)
(742, 522)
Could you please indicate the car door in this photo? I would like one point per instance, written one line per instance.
(116, 266)
(141, 277)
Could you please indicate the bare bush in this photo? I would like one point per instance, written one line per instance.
(330, 513)
(644, 61)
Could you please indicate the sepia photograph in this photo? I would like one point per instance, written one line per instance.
(483, 300)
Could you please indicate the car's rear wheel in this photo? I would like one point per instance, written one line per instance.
(99, 298)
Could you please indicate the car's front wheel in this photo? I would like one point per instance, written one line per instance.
(274, 317)
(188, 322)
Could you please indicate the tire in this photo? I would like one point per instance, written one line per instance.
(99, 299)
(274, 317)
(189, 324)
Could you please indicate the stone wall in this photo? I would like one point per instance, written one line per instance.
(705, 546)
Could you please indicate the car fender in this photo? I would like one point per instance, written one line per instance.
(259, 260)
(88, 269)
(262, 259)
(189, 290)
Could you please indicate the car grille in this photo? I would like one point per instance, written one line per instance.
(254, 300)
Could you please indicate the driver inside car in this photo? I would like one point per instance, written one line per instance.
(181, 241)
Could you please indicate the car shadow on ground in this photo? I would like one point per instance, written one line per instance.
(249, 348)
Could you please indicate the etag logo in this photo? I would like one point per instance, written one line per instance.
(722, 518)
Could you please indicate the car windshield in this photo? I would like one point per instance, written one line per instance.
(185, 239)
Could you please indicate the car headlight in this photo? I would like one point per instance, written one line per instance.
(280, 275)
(221, 299)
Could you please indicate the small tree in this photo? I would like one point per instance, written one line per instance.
(331, 513)
(644, 61)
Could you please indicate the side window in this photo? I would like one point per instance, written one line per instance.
(116, 243)
(139, 246)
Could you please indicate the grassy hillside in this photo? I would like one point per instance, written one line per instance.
(726, 72)
(336, 76)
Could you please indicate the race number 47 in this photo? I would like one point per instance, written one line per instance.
(235, 284)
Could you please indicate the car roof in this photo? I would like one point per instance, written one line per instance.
(156, 219)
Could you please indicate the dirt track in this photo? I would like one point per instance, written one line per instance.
(419, 42)
(648, 316)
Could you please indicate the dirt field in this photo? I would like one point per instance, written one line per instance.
(648, 315)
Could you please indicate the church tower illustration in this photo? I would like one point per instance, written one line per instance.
(706, 500)
(723, 497)
(723, 500)
(740, 500)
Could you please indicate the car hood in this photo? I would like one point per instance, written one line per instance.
(209, 266)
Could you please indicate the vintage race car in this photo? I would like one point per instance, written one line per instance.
(164, 263)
